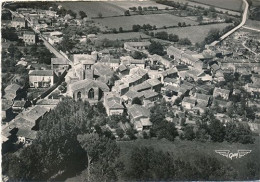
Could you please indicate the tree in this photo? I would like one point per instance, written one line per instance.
(161, 35)
(120, 132)
(216, 130)
(156, 48)
(213, 35)
(136, 28)
(184, 41)
(102, 157)
(179, 24)
(100, 15)
(82, 14)
(200, 18)
(9, 34)
(120, 29)
(127, 13)
(140, 8)
(136, 100)
(173, 37)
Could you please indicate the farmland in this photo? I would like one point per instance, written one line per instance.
(123, 36)
(127, 4)
(92, 9)
(196, 4)
(253, 24)
(160, 20)
(194, 33)
(234, 5)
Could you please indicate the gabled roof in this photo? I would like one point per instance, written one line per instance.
(137, 111)
(202, 97)
(34, 113)
(132, 94)
(149, 94)
(221, 91)
(113, 104)
(19, 103)
(138, 71)
(153, 82)
(40, 73)
(6, 104)
(189, 100)
(88, 84)
(12, 88)
(122, 68)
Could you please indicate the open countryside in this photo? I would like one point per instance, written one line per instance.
(235, 5)
(159, 20)
(194, 33)
(94, 8)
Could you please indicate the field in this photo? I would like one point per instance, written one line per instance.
(92, 9)
(253, 24)
(234, 5)
(188, 150)
(194, 4)
(160, 20)
(127, 4)
(123, 36)
(194, 33)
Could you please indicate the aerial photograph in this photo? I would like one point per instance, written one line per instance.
(151, 90)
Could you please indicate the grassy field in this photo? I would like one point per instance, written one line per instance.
(160, 20)
(234, 5)
(189, 150)
(194, 33)
(123, 36)
(194, 4)
(92, 9)
(127, 4)
(253, 24)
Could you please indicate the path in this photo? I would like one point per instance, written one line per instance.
(249, 28)
(244, 18)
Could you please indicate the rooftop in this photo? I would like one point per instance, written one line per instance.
(41, 73)
(59, 61)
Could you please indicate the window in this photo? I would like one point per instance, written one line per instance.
(79, 95)
(91, 93)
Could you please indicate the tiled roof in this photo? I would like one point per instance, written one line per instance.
(12, 88)
(41, 73)
(48, 102)
(153, 82)
(149, 94)
(19, 103)
(189, 100)
(34, 113)
(88, 84)
(138, 111)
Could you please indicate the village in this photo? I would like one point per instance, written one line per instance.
(129, 78)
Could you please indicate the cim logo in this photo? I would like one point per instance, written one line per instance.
(230, 155)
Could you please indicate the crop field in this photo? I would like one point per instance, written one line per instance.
(127, 4)
(194, 33)
(123, 36)
(92, 9)
(160, 20)
(234, 5)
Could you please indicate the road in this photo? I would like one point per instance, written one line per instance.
(244, 18)
(249, 28)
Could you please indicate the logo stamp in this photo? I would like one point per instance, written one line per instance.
(230, 155)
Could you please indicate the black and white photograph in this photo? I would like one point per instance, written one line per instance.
(129, 91)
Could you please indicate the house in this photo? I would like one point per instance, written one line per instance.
(20, 105)
(86, 60)
(135, 46)
(150, 95)
(202, 98)
(122, 69)
(90, 90)
(120, 87)
(113, 104)
(139, 116)
(41, 78)
(138, 63)
(140, 72)
(12, 91)
(130, 95)
(250, 87)
(59, 65)
(188, 103)
(181, 56)
(224, 93)
(170, 73)
(29, 37)
(48, 103)
(6, 109)
(18, 22)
